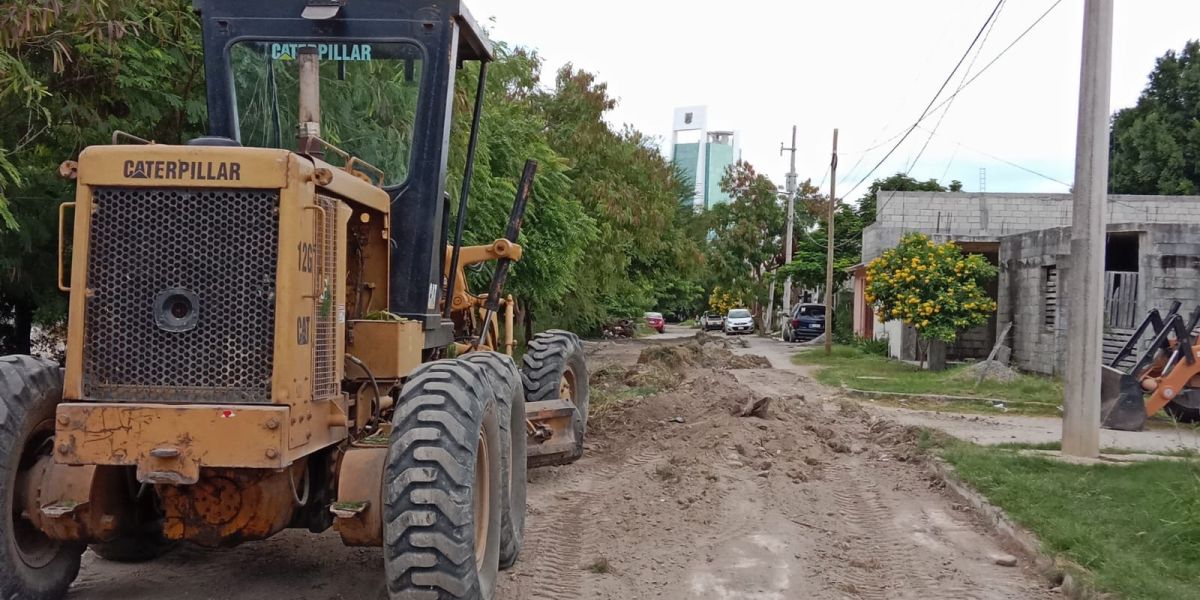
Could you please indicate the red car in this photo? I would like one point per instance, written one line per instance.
(656, 321)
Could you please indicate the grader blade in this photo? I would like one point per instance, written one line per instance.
(1122, 402)
(554, 428)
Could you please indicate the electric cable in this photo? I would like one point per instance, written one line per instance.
(929, 106)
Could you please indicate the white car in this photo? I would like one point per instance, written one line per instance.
(711, 320)
(739, 320)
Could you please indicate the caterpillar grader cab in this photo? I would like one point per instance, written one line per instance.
(270, 327)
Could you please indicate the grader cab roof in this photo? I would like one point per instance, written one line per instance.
(344, 18)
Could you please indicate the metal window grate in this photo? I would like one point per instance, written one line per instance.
(325, 383)
(1050, 297)
(220, 245)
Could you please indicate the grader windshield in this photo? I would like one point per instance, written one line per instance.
(369, 93)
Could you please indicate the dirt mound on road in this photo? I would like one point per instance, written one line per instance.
(705, 352)
(712, 419)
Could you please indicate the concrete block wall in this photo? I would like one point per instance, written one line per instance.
(1168, 264)
(1023, 262)
(973, 343)
(991, 216)
(1170, 267)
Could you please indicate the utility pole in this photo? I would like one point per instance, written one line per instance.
(1081, 385)
(791, 223)
(829, 249)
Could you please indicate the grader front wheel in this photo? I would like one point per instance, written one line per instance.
(510, 396)
(554, 367)
(442, 494)
(32, 566)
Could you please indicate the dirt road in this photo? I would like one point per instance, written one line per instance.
(818, 500)
(811, 498)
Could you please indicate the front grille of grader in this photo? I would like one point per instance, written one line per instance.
(216, 247)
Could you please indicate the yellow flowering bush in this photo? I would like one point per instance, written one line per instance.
(933, 287)
(722, 301)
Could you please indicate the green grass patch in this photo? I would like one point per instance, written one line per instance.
(851, 367)
(1180, 452)
(603, 401)
(1134, 528)
(643, 330)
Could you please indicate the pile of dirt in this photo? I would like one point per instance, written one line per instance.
(705, 338)
(991, 371)
(710, 419)
(711, 424)
(705, 352)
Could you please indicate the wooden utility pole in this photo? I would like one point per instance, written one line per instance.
(1081, 381)
(829, 249)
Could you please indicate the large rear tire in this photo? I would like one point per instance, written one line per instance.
(32, 566)
(1182, 413)
(510, 395)
(442, 486)
(554, 367)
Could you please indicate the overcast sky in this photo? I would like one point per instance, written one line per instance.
(868, 67)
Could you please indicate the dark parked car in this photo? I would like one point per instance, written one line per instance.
(806, 322)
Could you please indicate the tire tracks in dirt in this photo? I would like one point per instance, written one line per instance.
(883, 557)
(560, 535)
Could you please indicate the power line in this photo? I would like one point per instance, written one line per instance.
(1002, 52)
(950, 162)
(849, 173)
(879, 207)
(976, 76)
(823, 177)
(1005, 161)
(961, 83)
(929, 106)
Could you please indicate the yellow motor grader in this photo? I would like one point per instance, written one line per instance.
(270, 327)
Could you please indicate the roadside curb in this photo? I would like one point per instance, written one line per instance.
(1055, 569)
(940, 397)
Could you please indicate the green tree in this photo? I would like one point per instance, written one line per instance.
(646, 249)
(746, 245)
(557, 231)
(807, 268)
(1156, 144)
(70, 74)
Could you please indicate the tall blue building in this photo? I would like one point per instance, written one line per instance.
(702, 155)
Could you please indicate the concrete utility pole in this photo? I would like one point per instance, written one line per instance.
(829, 249)
(791, 223)
(1081, 402)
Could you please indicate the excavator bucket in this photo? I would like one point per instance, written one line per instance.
(1122, 403)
